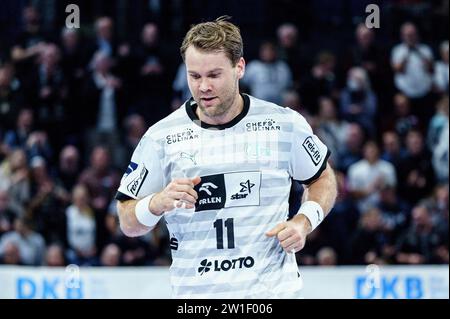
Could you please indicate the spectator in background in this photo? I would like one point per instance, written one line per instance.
(105, 41)
(111, 256)
(135, 251)
(135, 127)
(54, 256)
(331, 130)
(370, 241)
(441, 70)
(180, 88)
(74, 60)
(69, 168)
(415, 172)
(422, 243)
(10, 254)
(38, 144)
(326, 256)
(81, 228)
(441, 156)
(47, 89)
(73, 57)
(401, 120)
(351, 151)
(393, 151)
(358, 101)
(31, 244)
(395, 212)
(17, 138)
(269, 76)
(48, 203)
(437, 205)
(342, 220)
(153, 79)
(11, 97)
(438, 140)
(412, 63)
(30, 41)
(316, 240)
(368, 176)
(15, 177)
(292, 100)
(320, 82)
(297, 56)
(367, 54)
(112, 223)
(7, 214)
(438, 122)
(100, 178)
(103, 96)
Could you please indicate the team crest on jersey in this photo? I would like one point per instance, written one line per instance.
(189, 156)
(313, 150)
(135, 185)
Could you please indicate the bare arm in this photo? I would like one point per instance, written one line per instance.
(129, 224)
(179, 191)
(292, 234)
(322, 191)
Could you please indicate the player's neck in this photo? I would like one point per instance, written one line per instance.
(235, 109)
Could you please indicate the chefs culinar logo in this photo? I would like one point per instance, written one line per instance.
(185, 135)
(266, 125)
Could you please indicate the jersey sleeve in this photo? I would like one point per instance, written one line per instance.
(144, 174)
(309, 154)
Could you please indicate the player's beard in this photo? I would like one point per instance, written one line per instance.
(227, 100)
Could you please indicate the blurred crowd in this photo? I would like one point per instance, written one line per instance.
(74, 104)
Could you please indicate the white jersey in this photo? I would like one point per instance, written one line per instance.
(220, 249)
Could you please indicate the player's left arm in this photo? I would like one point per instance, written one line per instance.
(309, 165)
(323, 191)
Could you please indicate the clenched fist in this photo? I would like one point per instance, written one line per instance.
(179, 193)
(292, 234)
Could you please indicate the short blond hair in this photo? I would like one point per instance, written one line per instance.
(215, 36)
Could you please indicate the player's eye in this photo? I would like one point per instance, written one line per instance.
(214, 75)
(195, 76)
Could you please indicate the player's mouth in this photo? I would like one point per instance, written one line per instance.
(208, 101)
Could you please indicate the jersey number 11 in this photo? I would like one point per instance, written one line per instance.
(219, 232)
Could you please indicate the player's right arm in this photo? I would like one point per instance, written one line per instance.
(142, 197)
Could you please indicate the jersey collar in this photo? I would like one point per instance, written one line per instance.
(191, 107)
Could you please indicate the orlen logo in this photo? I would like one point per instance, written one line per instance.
(226, 264)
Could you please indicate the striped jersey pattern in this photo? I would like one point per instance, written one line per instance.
(219, 248)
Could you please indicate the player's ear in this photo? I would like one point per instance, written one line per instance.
(240, 68)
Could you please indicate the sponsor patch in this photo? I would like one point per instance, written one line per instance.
(228, 190)
(135, 185)
(313, 150)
